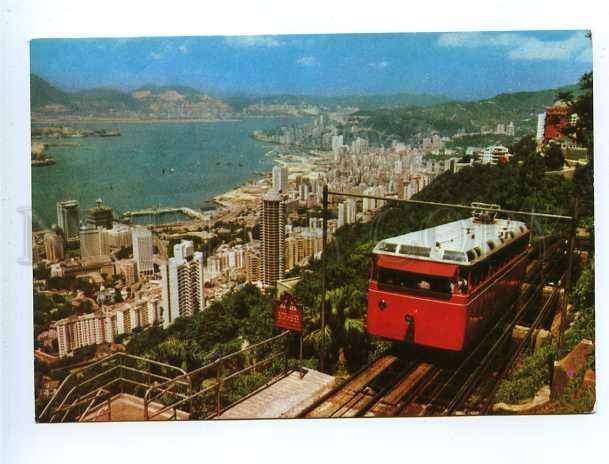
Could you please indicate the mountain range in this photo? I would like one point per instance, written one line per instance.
(403, 114)
(180, 102)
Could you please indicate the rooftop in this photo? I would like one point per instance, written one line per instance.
(459, 242)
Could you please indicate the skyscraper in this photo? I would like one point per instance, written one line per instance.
(182, 283)
(142, 250)
(53, 245)
(337, 143)
(350, 211)
(273, 218)
(93, 242)
(68, 218)
(100, 216)
(341, 215)
(280, 179)
(541, 124)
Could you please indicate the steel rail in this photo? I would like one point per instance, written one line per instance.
(476, 375)
(487, 401)
(336, 389)
(490, 356)
(529, 297)
(382, 393)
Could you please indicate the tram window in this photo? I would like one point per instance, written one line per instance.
(402, 280)
(390, 247)
(415, 250)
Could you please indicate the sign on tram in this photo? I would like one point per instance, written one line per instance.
(287, 313)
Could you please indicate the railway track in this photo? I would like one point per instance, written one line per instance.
(420, 385)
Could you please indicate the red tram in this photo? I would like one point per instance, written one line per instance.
(439, 287)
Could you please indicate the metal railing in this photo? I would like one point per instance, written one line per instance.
(208, 394)
(117, 373)
(165, 389)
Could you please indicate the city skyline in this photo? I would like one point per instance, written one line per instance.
(458, 65)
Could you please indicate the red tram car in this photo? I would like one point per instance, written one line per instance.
(439, 287)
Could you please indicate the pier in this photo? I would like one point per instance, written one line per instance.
(164, 210)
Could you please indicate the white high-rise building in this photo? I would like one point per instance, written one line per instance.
(143, 250)
(303, 191)
(359, 146)
(350, 211)
(68, 218)
(347, 211)
(182, 283)
(510, 129)
(399, 166)
(369, 204)
(541, 124)
(119, 236)
(340, 221)
(337, 143)
(280, 179)
(93, 242)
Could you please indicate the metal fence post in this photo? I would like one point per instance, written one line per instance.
(300, 367)
(322, 353)
(286, 349)
(567, 283)
(218, 388)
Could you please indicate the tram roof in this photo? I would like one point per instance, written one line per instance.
(463, 242)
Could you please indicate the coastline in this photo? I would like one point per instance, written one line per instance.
(75, 119)
(251, 191)
(237, 197)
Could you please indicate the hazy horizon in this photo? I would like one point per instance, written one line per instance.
(457, 66)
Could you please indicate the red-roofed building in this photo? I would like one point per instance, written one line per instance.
(557, 118)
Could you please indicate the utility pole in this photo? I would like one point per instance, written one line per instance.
(322, 354)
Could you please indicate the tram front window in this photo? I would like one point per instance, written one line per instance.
(405, 281)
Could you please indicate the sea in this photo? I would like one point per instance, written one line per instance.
(151, 164)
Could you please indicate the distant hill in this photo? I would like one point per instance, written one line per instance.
(362, 102)
(447, 118)
(148, 102)
(43, 94)
(176, 102)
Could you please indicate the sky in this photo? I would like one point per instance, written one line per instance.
(460, 65)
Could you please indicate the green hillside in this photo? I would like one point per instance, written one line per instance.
(447, 118)
(42, 93)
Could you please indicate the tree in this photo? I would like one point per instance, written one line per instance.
(524, 148)
(118, 296)
(345, 330)
(555, 159)
(583, 130)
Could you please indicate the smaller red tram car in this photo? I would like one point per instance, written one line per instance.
(439, 287)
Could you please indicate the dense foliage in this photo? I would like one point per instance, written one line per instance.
(513, 186)
(244, 315)
(534, 371)
(479, 140)
(447, 118)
